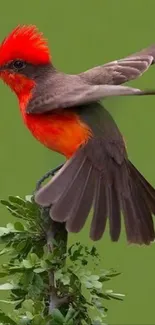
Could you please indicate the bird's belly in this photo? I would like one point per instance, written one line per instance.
(61, 132)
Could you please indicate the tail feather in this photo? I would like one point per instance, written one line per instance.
(113, 202)
(124, 186)
(99, 219)
(83, 205)
(129, 220)
(149, 191)
(114, 213)
(115, 188)
(137, 213)
(66, 199)
(45, 196)
(143, 212)
(147, 226)
(143, 223)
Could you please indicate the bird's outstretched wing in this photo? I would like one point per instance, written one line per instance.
(123, 70)
(78, 95)
(65, 91)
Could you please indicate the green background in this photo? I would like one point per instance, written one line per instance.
(82, 34)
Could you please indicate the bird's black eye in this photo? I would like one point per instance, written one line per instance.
(18, 64)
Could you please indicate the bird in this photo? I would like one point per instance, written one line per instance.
(65, 113)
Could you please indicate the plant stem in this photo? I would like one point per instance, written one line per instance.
(55, 233)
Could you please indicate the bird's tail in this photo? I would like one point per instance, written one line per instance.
(79, 185)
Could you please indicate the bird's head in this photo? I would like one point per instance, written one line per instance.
(24, 58)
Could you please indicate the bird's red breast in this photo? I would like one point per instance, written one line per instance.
(61, 132)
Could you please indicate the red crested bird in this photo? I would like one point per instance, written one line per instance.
(64, 113)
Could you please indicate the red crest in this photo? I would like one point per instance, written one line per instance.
(25, 43)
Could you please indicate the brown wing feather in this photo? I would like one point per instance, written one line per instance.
(123, 70)
(75, 95)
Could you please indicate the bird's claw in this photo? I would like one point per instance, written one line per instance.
(50, 173)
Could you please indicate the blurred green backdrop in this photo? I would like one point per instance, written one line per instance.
(82, 34)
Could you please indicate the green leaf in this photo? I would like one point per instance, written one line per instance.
(39, 320)
(10, 226)
(21, 209)
(84, 272)
(113, 295)
(98, 321)
(91, 281)
(17, 200)
(88, 284)
(10, 302)
(33, 258)
(24, 320)
(39, 306)
(70, 314)
(111, 275)
(7, 286)
(65, 279)
(58, 316)
(3, 274)
(44, 265)
(39, 270)
(58, 274)
(29, 198)
(94, 277)
(21, 245)
(97, 284)
(93, 252)
(4, 231)
(5, 319)
(18, 226)
(29, 315)
(102, 295)
(99, 306)
(28, 305)
(54, 242)
(27, 264)
(5, 251)
(14, 213)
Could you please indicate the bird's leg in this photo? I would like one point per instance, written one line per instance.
(47, 175)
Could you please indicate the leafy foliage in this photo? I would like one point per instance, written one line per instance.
(48, 284)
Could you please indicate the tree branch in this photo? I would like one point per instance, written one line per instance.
(55, 233)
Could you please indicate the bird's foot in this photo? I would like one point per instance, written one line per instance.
(47, 175)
